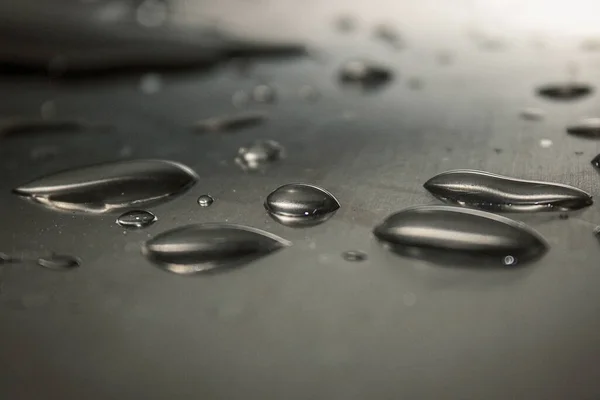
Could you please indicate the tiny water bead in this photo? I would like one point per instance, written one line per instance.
(136, 219)
(259, 154)
(587, 128)
(565, 91)
(301, 205)
(366, 73)
(354, 256)
(493, 192)
(59, 262)
(199, 248)
(205, 200)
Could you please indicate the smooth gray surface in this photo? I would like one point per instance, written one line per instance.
(303, 323)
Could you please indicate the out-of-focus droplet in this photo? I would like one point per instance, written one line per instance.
(230, 123)
(493, 192)
(205, 200)
(354, 255)
(136, 219)
(444, 57)
(151, 83)
(545, 143)
(591, 44)
(414, 83)
(152, 13)
(532, 114)
(42, 153)
(264, 94)
(346, 23)
(198, 248)
(365, 73)
(565, 91)
(301, 205)
(588, 128)
(309, 93)
(59, 262)
(388, 34)
(259, 154)
(14, 127)
(240, 99)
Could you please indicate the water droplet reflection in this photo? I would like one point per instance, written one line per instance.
(354, 256)
(259, 155)
(205, 200)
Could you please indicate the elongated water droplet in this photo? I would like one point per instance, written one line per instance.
(301, 205)
(31, 126)
(565, 91)
(588, 128)
(59, 262)
(354, 255)
(202, 247)
(264, 94)
(596, 161)
(136, 219)
(441, 233)
(500, 193)
(110, 187)
(205, 200)
(259, 154)
(365, 73)
(532, 114)
(230, 123)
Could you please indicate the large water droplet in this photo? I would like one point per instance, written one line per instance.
(365, 73)
(301, 205)
(445, 234)
(203, 247)
(259, 154)
(59, 262)
(230, 123)
(136, 219)
(110, 187)
(588, 127)
(565, 91)
(500, 193)
(205, 200)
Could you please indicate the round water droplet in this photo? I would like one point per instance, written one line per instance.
(354, 256)
(565, 91)
(205, 200)
(264, 94)
(59, 262)
(588, 128)
(509, 260)
(259, 154)
(301, 205)
(136, 219)
(151, 83)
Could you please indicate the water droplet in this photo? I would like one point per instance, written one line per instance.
(579, 153)
(151, 83)
(136, 219)
(259, 154)
(152, 13)
(588, 127)
(445, 235)
(565, 91)
(597, 231)
(230, 123)
(59, 262)
(48, 109)
(596, 161)
(367, 74)
(309, 93)
(110, 187)
(205, 200)
(264, 94)
(500, 193)
(532, 114)
(509, 260)
(346, 23)
(197, 248)
(389, 35)
(545, 143)
(301, 205)
(240, 99)
(354, 256)
(32, 126)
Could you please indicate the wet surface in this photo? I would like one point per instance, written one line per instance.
(383, 328)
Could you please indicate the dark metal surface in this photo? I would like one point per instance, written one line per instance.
(304, 323)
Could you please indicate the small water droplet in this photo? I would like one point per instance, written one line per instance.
(596, 161)
(565, 91)
(110, 187)
(453, 235)
(354, 256)
(198, 248)
(264, 94)
(259, 154)
(31, 126)
(309, 93)
(346, 23)
(48, 109)
(588, 128)
(301, 205)
(205, 200)
(389, 35)
(240, 99)
(230, 123)
(136, 219)
(579, 153)
(59, 262)
(152, 13)
(509, 261)
(532, 114)
(151, 83)
(545, 143)
(500, 193)
(367, 74)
